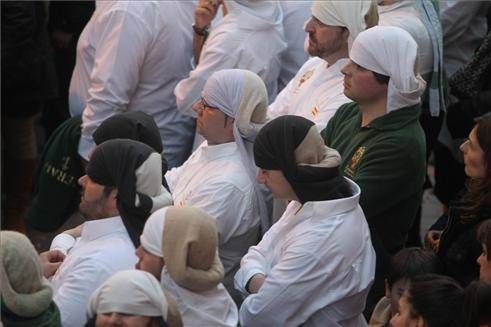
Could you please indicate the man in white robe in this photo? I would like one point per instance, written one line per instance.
(315, 266)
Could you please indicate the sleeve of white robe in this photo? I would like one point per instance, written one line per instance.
(287, 296)
(119, 56)
(213, 58)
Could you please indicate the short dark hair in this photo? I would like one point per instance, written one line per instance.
(437, 299)
(381, 79)
(477, 302)
(410, 262)
(484, 236)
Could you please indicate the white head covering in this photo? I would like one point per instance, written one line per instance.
(349, 14)
(151, 237)
(242, 95)
(392, 52)
(256, 14)
(132, 292)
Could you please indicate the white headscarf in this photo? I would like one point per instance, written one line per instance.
(151, 237)
(349, 14)
(132, 292)
(256, 14)
(392, 52)
(242, 95)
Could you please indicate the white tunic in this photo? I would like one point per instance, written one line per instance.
(214, 179)
(319, 265)
(103, 249)
(130, 56)
(214, 307)
(403, 14)
(238, 41)
(295, 14)
(315, 93)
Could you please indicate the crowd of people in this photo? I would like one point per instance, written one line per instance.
(226, 177)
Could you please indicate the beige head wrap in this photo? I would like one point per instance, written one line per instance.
(24, 289)
(349, 14)
(392, 52)
(189, 245)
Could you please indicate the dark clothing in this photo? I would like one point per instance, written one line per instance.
(459, 248)
(49, 318)
(27, 73)
(387, 160)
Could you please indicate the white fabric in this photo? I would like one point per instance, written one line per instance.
(391, 51)
(214, 180)
(131, 292)
(315, 93)
(103, 249)
(130, 56)
(464, 27)
(147, 177)
(62, 242)
(238, 41)
(295, 14)
(319, 265)
(350, 14)
(210, 308)
(151, 237)
(403, 14)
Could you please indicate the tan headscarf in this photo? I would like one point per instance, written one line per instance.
(189, 246)
(23, 287)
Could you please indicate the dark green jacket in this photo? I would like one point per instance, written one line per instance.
(387, 160)
(49, 318)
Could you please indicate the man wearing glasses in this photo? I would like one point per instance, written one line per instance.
(219, 177)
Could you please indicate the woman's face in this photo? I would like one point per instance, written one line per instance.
(123, 320)
(404, 318)
(475, 165)
(484, 265)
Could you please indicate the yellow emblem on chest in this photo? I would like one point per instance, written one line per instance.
(355, 160)
(305, 77)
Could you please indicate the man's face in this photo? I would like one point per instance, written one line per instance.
(395, 293)
(94, 203)
(114, 319)
(324, 40)
(360, 84)
(149, 262)
(404, 317)
(277, 183)
(211, 123)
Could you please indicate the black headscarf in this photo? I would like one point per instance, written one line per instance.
(274, 149)
(113, 163)
(133, 125)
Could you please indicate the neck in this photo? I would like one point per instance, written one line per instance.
(371, 111)
(334, 57)
(386, 2)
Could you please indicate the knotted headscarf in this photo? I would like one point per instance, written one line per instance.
(293, 145)
(392, 52)
(349, 14)
(242, 95)
(132, 292)
(135, 170)
(187, 239)
(23, 287)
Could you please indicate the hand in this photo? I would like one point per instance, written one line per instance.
(75, 232)
(50, 261)
(255, 283)
(205, 12)
(432, 240)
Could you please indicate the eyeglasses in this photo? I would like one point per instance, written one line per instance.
(200, 105)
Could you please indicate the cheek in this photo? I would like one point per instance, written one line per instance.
(102, 320)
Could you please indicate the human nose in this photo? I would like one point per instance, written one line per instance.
(82, 180)
(115, 319)
(345, 70)
(463, 146)
(309, 25)
(260, 177)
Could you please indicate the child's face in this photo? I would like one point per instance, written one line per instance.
(395, 294)
(484, 265)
